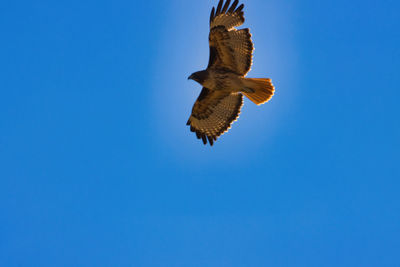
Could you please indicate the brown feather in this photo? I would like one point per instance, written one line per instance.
(234, 5)
(232, 50)
(214, 113)
(219, 7)
(226, 6)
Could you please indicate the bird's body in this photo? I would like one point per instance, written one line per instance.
(221, 80)
(224, 82)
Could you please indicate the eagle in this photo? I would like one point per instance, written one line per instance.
(224, 82)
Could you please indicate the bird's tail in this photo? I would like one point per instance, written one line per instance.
(258, 90)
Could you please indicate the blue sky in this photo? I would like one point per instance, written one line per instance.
(98, 167)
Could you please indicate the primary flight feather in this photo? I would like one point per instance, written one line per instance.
(224, 82)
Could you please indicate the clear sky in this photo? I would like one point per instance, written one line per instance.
(97, 166)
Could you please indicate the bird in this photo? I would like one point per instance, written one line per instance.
(224, 80)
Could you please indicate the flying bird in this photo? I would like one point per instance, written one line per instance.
(224, 82)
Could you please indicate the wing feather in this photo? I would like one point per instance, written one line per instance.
(230, 48)
(226, 6)
(213, 113)
(229, 19)
(219, 6)
(234, 5)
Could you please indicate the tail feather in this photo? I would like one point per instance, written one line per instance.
(258, 90)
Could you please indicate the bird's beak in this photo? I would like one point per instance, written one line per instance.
(190, 77)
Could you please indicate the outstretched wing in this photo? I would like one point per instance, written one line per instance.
(213, 113)
(229, 48)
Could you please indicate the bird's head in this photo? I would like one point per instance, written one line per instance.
(199, 76)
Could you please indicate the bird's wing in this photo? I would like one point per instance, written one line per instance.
(229, 48)
(213, 113)
(226, 16)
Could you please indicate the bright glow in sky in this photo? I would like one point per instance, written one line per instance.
(98, 167)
